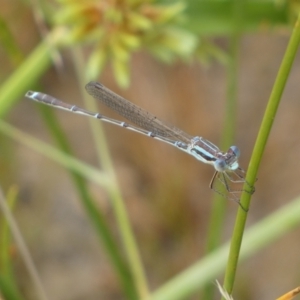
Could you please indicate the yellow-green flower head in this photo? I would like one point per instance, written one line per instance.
(118, 28)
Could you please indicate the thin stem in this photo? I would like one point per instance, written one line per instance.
(23, 250)
(27, 73)
(259, 147)
(219, 205)
(205, 271)
(95, 215)
(126, 232)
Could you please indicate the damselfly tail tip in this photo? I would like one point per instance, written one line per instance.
(93, 84)
(29, 94)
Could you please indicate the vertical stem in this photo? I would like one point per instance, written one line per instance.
(126, 232)
(260, 144)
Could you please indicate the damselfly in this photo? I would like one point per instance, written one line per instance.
(227, 169)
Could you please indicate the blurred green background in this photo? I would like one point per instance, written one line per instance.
(165, 192)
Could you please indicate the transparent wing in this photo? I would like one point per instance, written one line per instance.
(134, 113)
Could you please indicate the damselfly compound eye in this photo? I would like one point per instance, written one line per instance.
(235, 150)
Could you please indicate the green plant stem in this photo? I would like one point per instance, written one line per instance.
(8, 290)
(112, 250)
(9, 285)
(15, 87)
(5, 237)
(63, 159)
(259, 147)
(68, 162)
(27, 73)
(81, 169)
(219, 206)
(228, 134)
(205, 271)
(126, 232)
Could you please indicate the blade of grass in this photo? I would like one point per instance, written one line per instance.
(65, 160)
(9, 43)
(10, 92)
(23, 250)
(8, 290)
(259, 147)
(219, 205)
(113, 190)
(5, 238)
(8, 284)
(27, 73)
(205, 271)
(112, 250)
